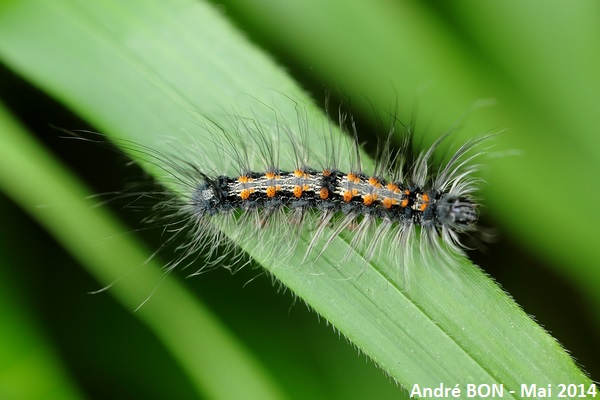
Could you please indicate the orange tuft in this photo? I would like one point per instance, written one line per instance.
(353, 178)
(392, 187)
(297, 191)
(425, 199)
(388, 202)
(374, 182)
(347, 196)
(245, 194)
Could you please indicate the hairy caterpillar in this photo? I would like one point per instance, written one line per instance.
(280, 189)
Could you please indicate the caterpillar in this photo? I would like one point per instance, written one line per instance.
(275, 195)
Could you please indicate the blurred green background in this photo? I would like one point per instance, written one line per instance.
(538, 61)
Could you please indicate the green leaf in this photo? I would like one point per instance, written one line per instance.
(141, 71)
(29, 366)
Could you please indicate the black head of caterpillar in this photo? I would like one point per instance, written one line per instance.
(459, 213)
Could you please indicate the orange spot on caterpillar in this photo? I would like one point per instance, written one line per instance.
(245, 179)
(388, 202)
(271, 191)
(271, 175)
(324, 193)
(425, 199)
(352, 177)
(326, 172)
(347, 196)
(374, 182)
(368, 200)
(297, 191)
(393, 187)
(245, 194)
(404, 202)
